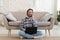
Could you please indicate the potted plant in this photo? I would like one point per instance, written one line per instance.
(58, 16)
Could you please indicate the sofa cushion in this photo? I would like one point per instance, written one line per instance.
(19, 15)
(39, 15)
(14, 23)
(22, 14)
(44, 24)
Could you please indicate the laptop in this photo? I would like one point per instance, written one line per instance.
(31, 30)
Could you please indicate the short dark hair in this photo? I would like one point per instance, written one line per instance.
(29, 9)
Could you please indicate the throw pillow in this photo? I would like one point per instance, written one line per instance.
(10, 16)
(46, 17)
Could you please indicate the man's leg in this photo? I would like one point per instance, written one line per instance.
(38, 34)
(23, 34)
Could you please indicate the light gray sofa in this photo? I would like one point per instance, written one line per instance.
(22, 14)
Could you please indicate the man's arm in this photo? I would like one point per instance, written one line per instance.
(22, 25)
(35, 23)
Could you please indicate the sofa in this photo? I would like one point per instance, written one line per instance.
(1, 20)
(15, 25)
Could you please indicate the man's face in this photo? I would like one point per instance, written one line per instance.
(30, 13)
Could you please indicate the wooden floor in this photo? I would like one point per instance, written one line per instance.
(17, 38)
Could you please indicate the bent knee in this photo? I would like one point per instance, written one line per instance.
(21, 33)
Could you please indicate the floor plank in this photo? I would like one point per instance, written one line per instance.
(17, 38)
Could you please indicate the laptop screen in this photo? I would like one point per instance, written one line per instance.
(31, 30)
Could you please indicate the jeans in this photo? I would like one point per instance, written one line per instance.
(23, 34)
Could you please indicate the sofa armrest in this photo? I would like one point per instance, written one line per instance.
(1, 20)
(52, 21)
(5, 21)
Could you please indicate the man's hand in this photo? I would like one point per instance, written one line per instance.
(32, 17)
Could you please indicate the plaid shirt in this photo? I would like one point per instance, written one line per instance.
(27, 22)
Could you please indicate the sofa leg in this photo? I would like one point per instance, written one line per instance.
(45, 32)
(9, 32)
(49, 31)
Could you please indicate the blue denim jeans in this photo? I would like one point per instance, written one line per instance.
(23, 34)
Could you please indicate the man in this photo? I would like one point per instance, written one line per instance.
(26, 22)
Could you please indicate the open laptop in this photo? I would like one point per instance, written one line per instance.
(31, 30)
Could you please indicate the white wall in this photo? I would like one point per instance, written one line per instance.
(37, 5)
(15, 5)
(45, 5)
(58, 5)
